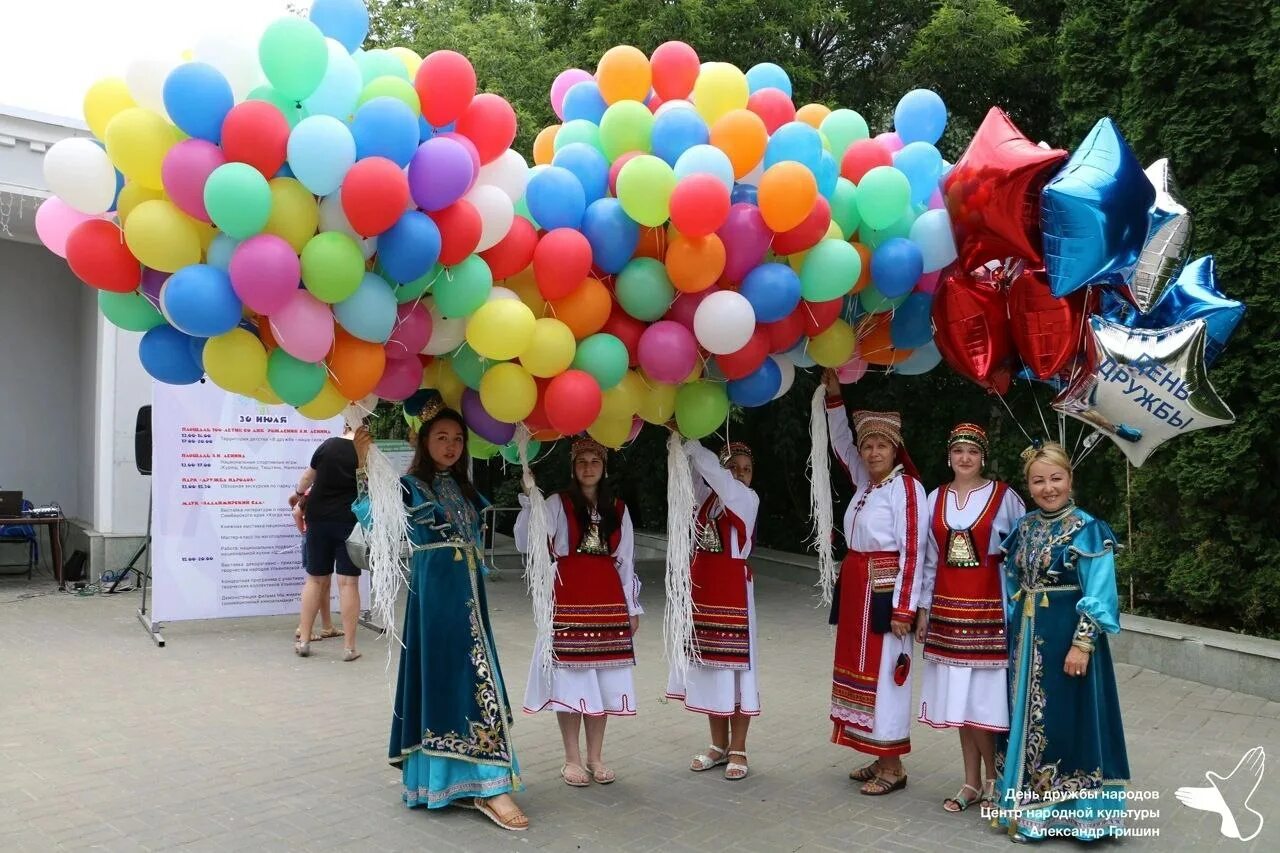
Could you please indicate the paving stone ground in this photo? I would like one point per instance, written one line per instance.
(224, 740)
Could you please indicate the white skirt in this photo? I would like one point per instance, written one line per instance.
(721, 692)
(954, 696)
(593, 692)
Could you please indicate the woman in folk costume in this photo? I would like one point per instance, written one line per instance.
(1063, 764)
(721, 679)
(450, 729)
(960, 615)
(596, 611)
(885, 527)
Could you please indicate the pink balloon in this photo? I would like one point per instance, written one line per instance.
(668, 352)
(565, 81)
(264, 273)
(636, 425)
(616, 168)
(686, 305)
(852, 370)
(400, 378)
(303, 327)
(746, 238)
(54, 221)
(935, 200)
(411, 332)
(928, 282)
(889, 141)
(184, 171)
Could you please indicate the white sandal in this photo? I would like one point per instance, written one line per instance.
(735, 771)
(704, 761)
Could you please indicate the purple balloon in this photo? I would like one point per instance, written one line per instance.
(668, 351)
(152, 281)
(482, 423)
(465, 143)
(746, 238)
(440, 173)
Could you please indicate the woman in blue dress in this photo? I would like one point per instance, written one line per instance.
(1063, 764)
(451, 725)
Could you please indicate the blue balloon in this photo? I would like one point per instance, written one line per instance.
(409, 248)
(922, 164)
(584, 101)
(612, 234)
(705, 160)
(796, 141)
(284, 172)
(828, 175)
(385, 127)
(676, 131)
(799, 354)
(920, 116)
(166, 355)
(198, 300)
(588, 165)
(321, 150)
(339, 88)
(896, 266)
(912, 323)
(773, 291)
(758, 387)
(370, 313)
(1094, 213)
(744, 194)
(924, 359)
(197, 98)
(556, 198)
(220, 250)
(344, 21)
(197, 347)
(425, 130)
(766, 75)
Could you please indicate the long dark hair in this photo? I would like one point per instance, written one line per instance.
(424, 468)
(606, 506)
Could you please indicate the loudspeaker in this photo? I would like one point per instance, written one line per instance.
(73, 569)
(142, 440)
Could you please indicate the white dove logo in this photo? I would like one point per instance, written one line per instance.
(1228, 796)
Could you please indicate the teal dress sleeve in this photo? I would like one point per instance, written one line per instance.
(1010, 548)
(1093, 553)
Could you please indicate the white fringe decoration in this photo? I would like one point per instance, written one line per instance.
(539, 566)
(677, 625)
(820, 511)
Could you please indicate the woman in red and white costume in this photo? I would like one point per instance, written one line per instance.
(596, 612)
(721, 681)
(885, 527)
(960, 615)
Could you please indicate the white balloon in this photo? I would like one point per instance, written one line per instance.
(145, 79)
(724, 322)
(446, 335)
(502, 293)
(668, 106)
(788, 374)
(509, 173)
(753, 177)
(932, 233)
(334, 218)
(236, 60)
(496, 213)
(80, 173)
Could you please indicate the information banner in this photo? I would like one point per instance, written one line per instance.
(225, 543)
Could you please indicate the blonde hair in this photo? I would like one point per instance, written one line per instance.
(1051, 452)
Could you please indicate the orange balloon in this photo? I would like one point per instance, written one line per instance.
(624, 74)
(356, 365)
(741, 134)
(264, 332)
(813, 114)
(695, 263)
(864, 277)
(653, 243)
(544, 145)
(786, 195)
(586, 310)
(524, 286)
(547, 435)
(875, 345)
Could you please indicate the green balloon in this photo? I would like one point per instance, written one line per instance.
(463, 288)
(842, 128)
(391, 87)
(603, 356)
(293, 56)
(644, 290)
(701, 407)
(511, 452)
(578, 130)
(844, 207)
(238, 200)
(292, 110)
(379, 63)
(830, 270)
(626, 126)
(295, 382)
(882, 194)
(470, 366)
(132, 312)
(874, 302)
(645, 185)
(332, 266)
(900, 227)
(411, 291)
(479, 448)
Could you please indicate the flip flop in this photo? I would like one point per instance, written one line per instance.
(602, 774)
(517, 822)
(576, 781)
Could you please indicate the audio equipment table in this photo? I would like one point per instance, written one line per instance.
(54, 523)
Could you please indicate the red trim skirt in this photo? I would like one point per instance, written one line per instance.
(591, 626)
(721, 624)
(856, 671)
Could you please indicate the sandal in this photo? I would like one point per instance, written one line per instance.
(601, 774)
(301, 649)
(580, 777)
(960, 802)
(880, 785)
(735, 771)
(328, 633)
(349, 655)
(865, 774)
(297, 635)
(516, 822)
(989, 793)
(705, 761)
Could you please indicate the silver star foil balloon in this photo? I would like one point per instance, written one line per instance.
(1168, 240)
(1149, 385)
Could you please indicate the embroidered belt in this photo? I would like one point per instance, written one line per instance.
(1027, 595)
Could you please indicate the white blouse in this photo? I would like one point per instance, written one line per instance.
(740, 499)
(957, 517)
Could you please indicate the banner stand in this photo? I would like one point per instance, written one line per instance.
(144, 578)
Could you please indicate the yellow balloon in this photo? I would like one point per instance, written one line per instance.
(440, 375)
(834, 232)
(501, 329)
(264, 394)
(294, 213)
(132, 195)
(104, 101)
(205, 232)
(524, 285)
(812, 115)
(327, 404)
(551, 349)
(719, 89)
(508, 392)
(161, 236)
(236, 362)
(410, 59)
(797, 260)
(833, 347)
(137, 141)
(696, 373)
(658, 404)
(619, 403)
(611, 432)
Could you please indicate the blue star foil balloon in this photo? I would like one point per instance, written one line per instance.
(1150, 385)
(1193, 295)
(1168, 240)
(1094, 213)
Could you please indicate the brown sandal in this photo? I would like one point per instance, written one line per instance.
(865, 774)
(880, 785)
(517, 822)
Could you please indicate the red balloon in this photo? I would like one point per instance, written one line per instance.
(993, 193)
(653, 103)
(627, 329)
(700, 204)
(537, 420)
(459, 225)
(445, 83)
(490, 123)
(747, 360)
(807, 234)
(971, 327)
(573, 401)
(616, 168)
(773, 106)
(255, 132)
(787, 332)
(861, 157)
(561, 260)
(513, 252)
(1050, 331)
(98, 256)
(375, 193)
(675, 68)
(820, 316)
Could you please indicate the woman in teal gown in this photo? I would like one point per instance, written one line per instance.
(451, 724)
(1063, 764)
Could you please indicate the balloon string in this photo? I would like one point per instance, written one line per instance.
(1031, 387)
(1016, 422)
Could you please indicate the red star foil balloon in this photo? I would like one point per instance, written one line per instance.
(971, 327)
(1050, 332)
(993, 193)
